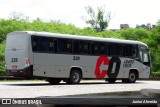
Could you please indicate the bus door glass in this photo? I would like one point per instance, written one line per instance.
(144, 55)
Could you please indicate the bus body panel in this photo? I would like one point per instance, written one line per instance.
(62, 64)
(57, 65)
(44, 65)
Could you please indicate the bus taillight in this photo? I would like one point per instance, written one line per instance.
(27, 62)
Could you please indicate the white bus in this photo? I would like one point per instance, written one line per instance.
(71, 58)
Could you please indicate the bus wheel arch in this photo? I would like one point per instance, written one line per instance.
(75, 75)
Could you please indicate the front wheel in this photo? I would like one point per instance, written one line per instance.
(132, 77)
(75, 77)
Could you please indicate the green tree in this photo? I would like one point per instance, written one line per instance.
(135, 34)
(18, 16)
(2, 52)
(100, 20)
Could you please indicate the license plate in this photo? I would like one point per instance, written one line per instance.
(14, 71)
(14, 67)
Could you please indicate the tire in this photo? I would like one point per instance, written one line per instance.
(75, 77)
(54, 81)
(111, 80)
(132, 77)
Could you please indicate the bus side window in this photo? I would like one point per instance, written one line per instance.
(96, 49)
(92, 48)
(38, 46)
(135, 52)
(46, 45)
(66, 46)
(145, 57)
(51, 45)
(86, 48)
(83, 47)
(76, 47)
(130, 50)
(55, 48)
(118, 50)
(127, 50)
(34, 44)
(102, 49)
(111, 49)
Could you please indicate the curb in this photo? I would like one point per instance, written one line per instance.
(151, 92)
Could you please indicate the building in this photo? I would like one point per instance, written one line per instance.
(124, 26)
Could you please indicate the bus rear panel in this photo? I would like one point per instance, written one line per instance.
(16, 57)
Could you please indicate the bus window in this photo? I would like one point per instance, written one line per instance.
(76, 46)
(51, 45)
(144, 55)
(111, 49)
(92, 48)
(126, 50)
(96, 49)
(135, 52)
(84, 47)
(66, 46)
(43, 44)
(118, 49)
(34, 44)
(102, 49)
(130, 50)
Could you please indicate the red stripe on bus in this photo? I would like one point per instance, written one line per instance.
(98, 72)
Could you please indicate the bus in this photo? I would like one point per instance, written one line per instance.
(70, 58)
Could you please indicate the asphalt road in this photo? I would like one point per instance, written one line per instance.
(32, 89)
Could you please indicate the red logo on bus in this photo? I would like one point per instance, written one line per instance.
(105, 61)
(98, 72)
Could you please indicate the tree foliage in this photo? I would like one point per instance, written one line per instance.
(100, 20)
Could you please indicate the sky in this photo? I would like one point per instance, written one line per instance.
(130, 12)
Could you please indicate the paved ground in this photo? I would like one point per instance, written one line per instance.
(28, 89)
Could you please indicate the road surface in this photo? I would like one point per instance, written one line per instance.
(32, 89)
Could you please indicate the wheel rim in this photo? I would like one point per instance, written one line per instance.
(75, 77)
(132, 77)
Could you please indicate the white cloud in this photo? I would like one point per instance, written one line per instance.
(71, 11)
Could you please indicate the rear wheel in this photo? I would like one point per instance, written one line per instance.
(54, 81)
(75, 77)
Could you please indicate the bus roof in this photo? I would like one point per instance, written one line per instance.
(78, 37)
